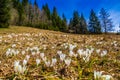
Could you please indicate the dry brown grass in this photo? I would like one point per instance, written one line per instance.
(110, 64)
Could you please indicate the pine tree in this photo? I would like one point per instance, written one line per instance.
(83, 25)
(4, 14)
(106, 21)
(94, 23)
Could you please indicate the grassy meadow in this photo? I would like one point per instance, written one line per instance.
(34, 54)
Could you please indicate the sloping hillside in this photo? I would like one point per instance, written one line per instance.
(29, 53)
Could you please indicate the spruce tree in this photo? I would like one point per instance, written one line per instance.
(15, 3)
(75, 23)
(83, 25)
(70, 25)
(24, 2)
(94, 23)
(4, 13)
(21, 13)
(47, 11)
(64, 23)
(55, 19)
(35, 12)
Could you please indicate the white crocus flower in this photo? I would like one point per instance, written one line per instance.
(62, 57)
(19, 69)
(33, 53)
(104, 53)
(37, 61)
(106, 77)
(13, 52)
(86, 58)
(59, 52)
(23, 52)
(81, 52)
(28, 48)
(42, 55)
(24, 62)
(14, 45)
(54, 60)
(47, 63)
(98, 51)
(71, 53)
(97, 74)
(23, 69)
(17, 52)
(90, 51)
(38, 52)
(8, 52)
(71, 47)
(16, 66)
(27, 57)
(44, 59)
(67, 61)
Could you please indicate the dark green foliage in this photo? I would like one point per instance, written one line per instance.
(70, 24)
(4, 13)
(64, 23)
(20, 12)
(106, 21)
(75, 22)
(20, 8)
(94, 23)
(78, 24)
(54, 17)
(47, 10)
(15, 3)
(57, 22)
(24, 2)
(29, 14)
(83, 25)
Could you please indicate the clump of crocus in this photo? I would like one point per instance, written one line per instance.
(54, 60)
(19, 68)
(97, 74)
(106, 77)
(47, 63)
(11, 52)
(62, 57)
(67, 61)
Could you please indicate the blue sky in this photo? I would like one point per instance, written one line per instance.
(68, 6)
